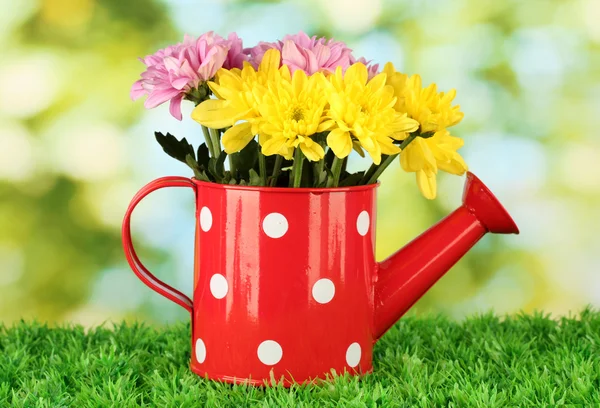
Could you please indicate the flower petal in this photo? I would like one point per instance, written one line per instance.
(312, 66)
(137, 90)
(271, 61)
(158, 97)
(378, 82)
(175, 107)
(216, 114)
(326, 125)
(404, 124)
(357, 73)
(374, 151)
(314, 152)
(292, 55)
(322, 54)
(180, 83)
(389, 68)
(340, 142)
(456, 165)
(411, 157)
(299, 82)
(427, 183)
(213, 62)
(237, 137)
(425, 152)
(387, 147)
(273, 145)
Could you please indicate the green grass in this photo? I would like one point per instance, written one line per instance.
(526, 360)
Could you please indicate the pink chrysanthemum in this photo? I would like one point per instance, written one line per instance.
(305, 53)
(174, 71)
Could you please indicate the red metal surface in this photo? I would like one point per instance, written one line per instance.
(406, 275)
(285, 281)
(136, 265)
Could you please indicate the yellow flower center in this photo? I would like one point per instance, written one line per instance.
(297, 114)
(292, 111)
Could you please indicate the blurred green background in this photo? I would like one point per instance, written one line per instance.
(74, 149)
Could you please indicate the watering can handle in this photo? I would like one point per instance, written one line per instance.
(136, 265)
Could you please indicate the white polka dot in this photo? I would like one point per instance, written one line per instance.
(269, 352)
(353, 355)
(275, 225)
(363, 222)
(200, 351)
(218, 286)
(323, 291)
(205, 219)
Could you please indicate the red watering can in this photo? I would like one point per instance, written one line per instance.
(286, 286)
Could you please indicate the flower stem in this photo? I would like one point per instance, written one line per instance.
(409, 139)
(381, 167)
(297, 167)
(215, 135)
(209, 144)
(276, 170)
(317, 171)
(320, 166)
(232, 168)
(262, 168)
(336, 169)
(369, 173)
(389, 159)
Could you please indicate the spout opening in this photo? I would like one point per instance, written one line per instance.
(486, 207)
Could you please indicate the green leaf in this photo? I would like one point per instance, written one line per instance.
(246, 158)
(191, 162)
(204, 177)
(344, 165)
(328, 171)
(178, 149)
(243, 183)
(284, 178)
(227, 178)
(233, 182)
(329, 156)
(199, 169)
(212, 168)
(321, 179)
(216, 167)
(255, 179)
(320, 138)
(352, 179)
(203, 155)
(221, 162)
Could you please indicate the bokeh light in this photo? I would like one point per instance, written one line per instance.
(74, 148)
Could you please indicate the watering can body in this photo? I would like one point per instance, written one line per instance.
(286, 286)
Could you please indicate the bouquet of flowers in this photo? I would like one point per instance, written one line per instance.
(290, 113)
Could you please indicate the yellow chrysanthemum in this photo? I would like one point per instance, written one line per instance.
(424, 156)
(363, 109)
(292, 111)
(446, 114)
(435, 113)
(433, 110)
(397, 81)
(240, 93)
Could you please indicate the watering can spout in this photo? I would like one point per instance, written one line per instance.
(406, 275)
